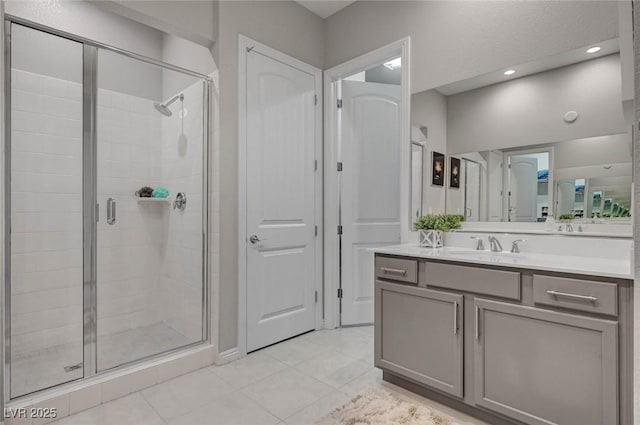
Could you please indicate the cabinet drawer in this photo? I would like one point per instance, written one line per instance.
(576, 294)
(498, 283)
(399, 269)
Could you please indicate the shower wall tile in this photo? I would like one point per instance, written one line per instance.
(149, 262)
(130, 252)
(180, 300)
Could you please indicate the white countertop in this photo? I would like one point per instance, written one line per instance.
(583, 265)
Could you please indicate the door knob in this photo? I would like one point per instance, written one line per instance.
(254, 239)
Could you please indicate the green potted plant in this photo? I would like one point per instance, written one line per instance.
(433, 226)
(566, 217)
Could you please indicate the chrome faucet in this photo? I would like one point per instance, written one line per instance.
(479, 244)
(495, 244)
(515, 247)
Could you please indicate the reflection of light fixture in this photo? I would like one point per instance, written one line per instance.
(393, 64)
(593, 49)
(510, 72)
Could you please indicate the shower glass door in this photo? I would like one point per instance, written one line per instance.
(105, 171)
(44, 167)
(150, 138)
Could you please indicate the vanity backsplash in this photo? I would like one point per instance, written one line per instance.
(550, 244)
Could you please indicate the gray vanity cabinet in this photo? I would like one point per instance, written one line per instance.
(420, 335)
(545, 367)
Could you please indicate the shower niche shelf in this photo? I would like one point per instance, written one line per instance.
(153, 200)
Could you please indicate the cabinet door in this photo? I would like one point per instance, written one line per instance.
(418, 335)
(545, 367)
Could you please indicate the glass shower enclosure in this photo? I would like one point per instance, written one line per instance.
(97, 274)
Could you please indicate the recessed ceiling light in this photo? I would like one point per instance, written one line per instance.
(394, 64)
(593, 49)
(510, 72)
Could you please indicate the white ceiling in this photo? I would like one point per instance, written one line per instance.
(607, 47)
(325, 8)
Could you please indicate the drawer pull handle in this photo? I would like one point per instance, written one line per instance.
(477, 322)
(576, 296)
(455, 318)
(394, 271)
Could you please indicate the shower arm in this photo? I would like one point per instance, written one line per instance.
(173, 99)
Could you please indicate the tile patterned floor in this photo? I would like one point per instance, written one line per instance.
(295, 382)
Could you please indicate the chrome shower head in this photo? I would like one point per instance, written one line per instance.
(163, 108)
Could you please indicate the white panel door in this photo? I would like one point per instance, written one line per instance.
(523, 187)
(566, 197)
(370, 189)
(280, 201)
(472, 190)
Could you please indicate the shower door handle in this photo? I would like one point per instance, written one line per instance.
(111, 211)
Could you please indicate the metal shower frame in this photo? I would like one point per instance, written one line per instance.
(89, 142)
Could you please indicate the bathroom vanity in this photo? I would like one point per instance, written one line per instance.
(512, 339)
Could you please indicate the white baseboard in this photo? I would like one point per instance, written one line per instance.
(228, 356)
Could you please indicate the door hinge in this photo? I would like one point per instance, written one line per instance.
(339, 166)
(339, 103)
(339, 229)
(339, 292)
(316, 230)
(97, 213)
(315, 165)
(315, 99)
(316, 297)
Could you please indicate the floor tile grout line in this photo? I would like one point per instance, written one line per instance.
(162, 418)
(304, 407)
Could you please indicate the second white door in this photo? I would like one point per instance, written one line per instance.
(370, 189)
(523, 188)
(281, 205)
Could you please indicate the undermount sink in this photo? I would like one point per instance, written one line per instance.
(487, 254)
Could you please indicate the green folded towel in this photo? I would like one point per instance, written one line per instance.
(160, 192)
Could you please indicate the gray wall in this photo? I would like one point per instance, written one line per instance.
(453, 41)
(194, 20)
(429, 109)
(285, 26)
(87, 20)
(636, 217)
(95, 21)
(529, 110)
(115, 72)
(592, 151)
(176, 50)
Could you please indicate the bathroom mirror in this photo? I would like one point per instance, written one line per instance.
(540, 139)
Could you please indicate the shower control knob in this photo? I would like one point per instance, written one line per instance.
(180, 202)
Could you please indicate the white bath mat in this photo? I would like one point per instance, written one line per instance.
(380, 407)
